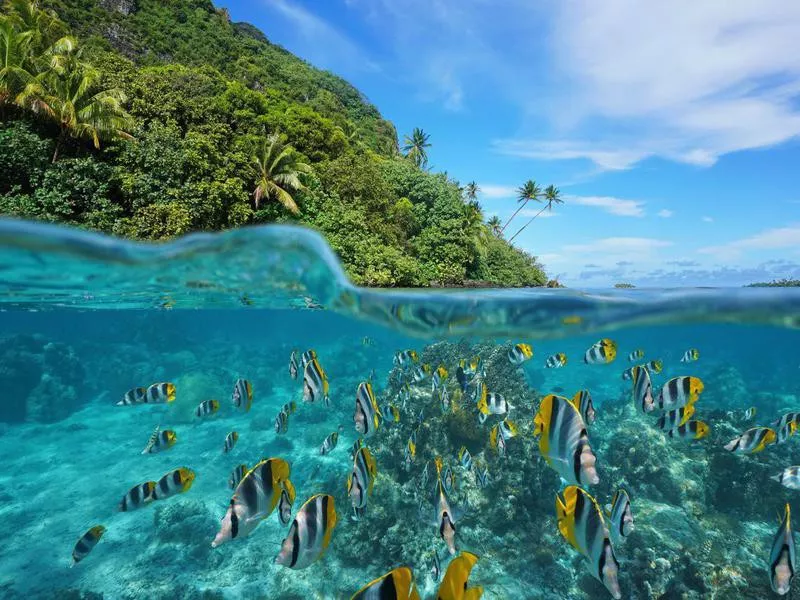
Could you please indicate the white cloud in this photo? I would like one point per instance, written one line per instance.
(532, 212)
(680, 79)
(614, 246)
(614, 206)
(491, 191)
(664, 213)
(708, 220)
(771, 239)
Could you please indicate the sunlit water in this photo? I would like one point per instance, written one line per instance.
(84, 319)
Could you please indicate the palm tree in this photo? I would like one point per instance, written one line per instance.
(472, 225)
(552, 195)
(415, 147)
(471, 191)
(15, 55)
(71, 94)
(529, 191)
(279, 171)
(495, 225)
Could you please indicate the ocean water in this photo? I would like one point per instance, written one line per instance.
(84, 319)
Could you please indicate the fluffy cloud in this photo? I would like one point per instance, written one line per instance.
(664, 213)
(614, 206)
(771, 239)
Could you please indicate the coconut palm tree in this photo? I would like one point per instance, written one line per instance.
(15, 60)
(495, 225)
(473, 226)
(552, 195)
(525, 193)
(279, 171)
(415, 147)
(471, 191)
(71, 94)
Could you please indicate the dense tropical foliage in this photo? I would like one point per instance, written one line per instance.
(777, 283)
(152, 119)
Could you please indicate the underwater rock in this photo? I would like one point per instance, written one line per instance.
(184, 522)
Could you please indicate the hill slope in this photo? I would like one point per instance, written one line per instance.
(202, 95)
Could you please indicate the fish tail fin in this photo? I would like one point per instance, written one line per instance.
(731, 446)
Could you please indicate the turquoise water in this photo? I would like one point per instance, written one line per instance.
(84, 319)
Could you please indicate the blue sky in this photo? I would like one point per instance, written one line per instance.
(671, 128)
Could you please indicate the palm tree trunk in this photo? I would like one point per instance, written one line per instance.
(526, 224)
(514, 215)
(59, 143)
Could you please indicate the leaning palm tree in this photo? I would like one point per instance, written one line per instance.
(495, 225)
(471, 191)
(529, 191)
(72, 95)
(552, 195)
(279, 171)
(415, 147)
(15, 61)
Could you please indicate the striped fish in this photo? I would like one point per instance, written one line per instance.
(281, 422)
(404, 395)
(675, 418)
(444, 399)
(392, 412)
(286, 501)
(620, 516)
(482, 475)
(642, 390)
(329, 443)
(601, 352)
(654, 366)
(782, 556)
(456, 579)
(786, 426)
(307, 357)
(293, 366)
(556, 361)
(137, 496)
(242, 397)
(436, 566)
(564, 441)
(175, 482)
(410, 453)
(367, 416)
(206, 408)
(439, 376)
(690, 355)
(581, 522)
(133, 396)
(86, 543)
(789, 477)
(519, 353)
(397, 584)
(472, 367)
(254, 499)
(315, 383)
(691, 430)
(160, 440)
(236, 475)
(310, 533)
(583, 402)
(405, 358)
(465, 458)
(230, 441)
(492, 404)
(636, 355)
(679, 391)
(751, 441)
(443, 515)
(497, 441)
(750, 413)
(420, 373)
(448, 479)
(360, 482)
(160, 393)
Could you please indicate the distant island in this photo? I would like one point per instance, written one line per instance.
(777, 283)
(149, 120)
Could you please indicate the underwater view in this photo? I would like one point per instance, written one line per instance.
(226, 416)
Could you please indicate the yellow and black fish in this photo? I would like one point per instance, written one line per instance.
(367, 416)
(519, 353)
(397, 584)
(751, 441)
(86, 543)
(456, 579)
(176, 481)
(636, 355)
(287, 500)
(500, 434)
(472, 367)
(620, 515)
(405, 358)
(160, 393)
(675, 418)
(443, 514)
(564, 441)
(242, 397)
(160, 440)
(679, 391)
(782, 558)
(690, 355)
(206, 408)
(329, 443)
(230, 441)
(410, 453)
(465, 458)
(236, 475)
(361, 481)
(307, 357)
(315, 383)
(691, 430)
(602, 352)
(643, 390)
(367, 341)
(137, 496)
(420, 373)
(281, 422)
(581, 522)
(490, 403)
(293, 366)
(439, 376)
(583, 402)
(556, 361)
(310, 533)
(133, 396)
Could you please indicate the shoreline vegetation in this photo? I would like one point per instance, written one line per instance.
(776, 283)
(149, 120)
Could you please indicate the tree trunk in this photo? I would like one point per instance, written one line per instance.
(514, 215)
(526, 224)
(59, 143)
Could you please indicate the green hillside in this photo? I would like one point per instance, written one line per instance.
(150, 119)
